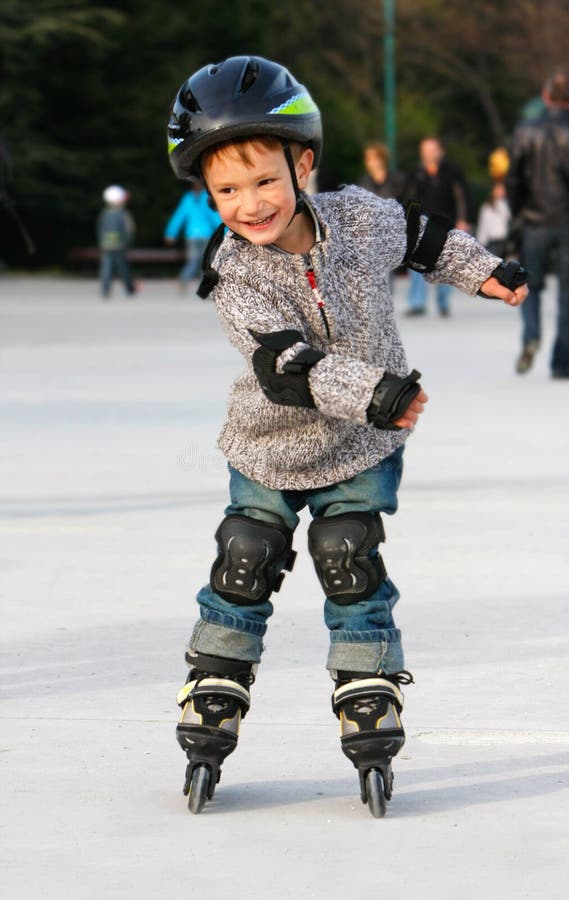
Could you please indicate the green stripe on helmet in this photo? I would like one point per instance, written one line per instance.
(173, 143)
(299, 105)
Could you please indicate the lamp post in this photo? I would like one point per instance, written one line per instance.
(389, 79)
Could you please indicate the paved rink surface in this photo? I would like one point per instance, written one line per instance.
(111, 492)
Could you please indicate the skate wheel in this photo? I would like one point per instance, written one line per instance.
(199, 789)
(375, 793)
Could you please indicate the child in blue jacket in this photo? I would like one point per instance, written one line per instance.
(197, 221)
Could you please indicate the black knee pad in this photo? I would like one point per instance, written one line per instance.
(340, 547)
(252, 555)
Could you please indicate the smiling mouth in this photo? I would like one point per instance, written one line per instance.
(259, 223)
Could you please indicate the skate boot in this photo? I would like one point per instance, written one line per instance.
(371, 733)
(214, 700)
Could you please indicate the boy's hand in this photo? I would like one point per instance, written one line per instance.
(413, 411)
(397, 402)
(508, 283)
(493, 288)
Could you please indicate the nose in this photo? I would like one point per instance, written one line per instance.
(250, 202)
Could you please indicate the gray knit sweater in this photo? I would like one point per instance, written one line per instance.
(363, 238)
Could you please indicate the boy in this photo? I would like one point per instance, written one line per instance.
(115, 231)
(320, 416)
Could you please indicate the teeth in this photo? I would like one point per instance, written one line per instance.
(260, 221)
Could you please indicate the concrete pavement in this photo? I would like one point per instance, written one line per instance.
(111, 492)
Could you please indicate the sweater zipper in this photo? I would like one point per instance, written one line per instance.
(311, 278)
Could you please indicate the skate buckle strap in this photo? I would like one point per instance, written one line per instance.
(184, 693)
(225, 686)
(220, 665)
(366, 687)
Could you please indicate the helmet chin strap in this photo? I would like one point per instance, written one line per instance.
(300, 203)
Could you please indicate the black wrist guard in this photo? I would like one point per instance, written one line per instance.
(289, 388)
(391, 398)
(510, 274)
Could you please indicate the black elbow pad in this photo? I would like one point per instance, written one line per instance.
(423, 257)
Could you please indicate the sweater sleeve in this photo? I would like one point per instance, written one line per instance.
(342, 386)
(463, 262)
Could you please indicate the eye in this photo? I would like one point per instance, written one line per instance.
(266, 181)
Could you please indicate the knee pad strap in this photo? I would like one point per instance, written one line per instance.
(252, 555)
(340, 547)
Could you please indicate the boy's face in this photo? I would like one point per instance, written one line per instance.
(257, 201)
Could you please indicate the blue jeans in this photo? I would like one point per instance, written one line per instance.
(537, 245)
(418, 293)
(363, 636)
(195, 248)
(114, 262)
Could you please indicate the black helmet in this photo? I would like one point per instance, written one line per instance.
(240, 97)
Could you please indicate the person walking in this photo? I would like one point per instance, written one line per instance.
(115, 231)
(440, 187)
(196, 220)
(538, 192)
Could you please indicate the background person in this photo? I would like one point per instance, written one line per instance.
(378, 178)
(440, 187)
(115, 233)
(538, 191)
(494, 221)
(196, 221)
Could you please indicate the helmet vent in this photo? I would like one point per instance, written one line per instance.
(190, 102)
(250, 76)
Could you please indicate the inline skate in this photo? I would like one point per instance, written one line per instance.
(214, 700)
(371, 734)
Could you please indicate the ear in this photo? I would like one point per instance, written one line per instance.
(303, 167)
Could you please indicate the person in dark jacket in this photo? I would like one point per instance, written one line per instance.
(440, 187)
(538, 192)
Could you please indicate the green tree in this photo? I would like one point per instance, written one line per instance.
(85, 89)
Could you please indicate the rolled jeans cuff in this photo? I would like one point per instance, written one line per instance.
(366, 651)
(231, 643)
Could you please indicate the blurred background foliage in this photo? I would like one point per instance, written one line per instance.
(85, 90)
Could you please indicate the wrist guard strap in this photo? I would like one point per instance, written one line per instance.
(510, 274)
(391, 398)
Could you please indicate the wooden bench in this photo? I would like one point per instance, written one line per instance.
(138, 256)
